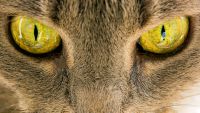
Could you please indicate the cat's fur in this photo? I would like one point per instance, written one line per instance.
(98, 69)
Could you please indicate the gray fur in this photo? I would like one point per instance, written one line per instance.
(99, 69)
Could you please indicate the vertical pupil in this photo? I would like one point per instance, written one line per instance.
(163, 32)
(36, 32)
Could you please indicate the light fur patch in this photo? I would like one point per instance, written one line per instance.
(190, 102)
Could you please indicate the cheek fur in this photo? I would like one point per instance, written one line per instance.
(190, 101)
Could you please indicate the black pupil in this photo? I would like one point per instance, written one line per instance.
(163, 33)
(36, 32)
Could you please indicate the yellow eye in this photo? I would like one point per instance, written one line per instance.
(34, 37)
(167, 37)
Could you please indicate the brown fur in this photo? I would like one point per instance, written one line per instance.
(98, 69)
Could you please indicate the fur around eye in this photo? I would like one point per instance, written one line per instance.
(166, 37)
(34, 37)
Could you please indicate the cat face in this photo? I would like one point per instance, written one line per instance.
(99, 68)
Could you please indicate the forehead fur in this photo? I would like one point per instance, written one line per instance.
(100, 10)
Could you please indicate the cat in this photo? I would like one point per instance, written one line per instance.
(99, 68)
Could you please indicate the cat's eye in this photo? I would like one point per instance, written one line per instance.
(33, 36)
(166, 37)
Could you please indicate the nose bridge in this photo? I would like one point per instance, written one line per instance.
(97, 78)
(97, 50)
(96, 58)
(97, 92)
(98, 84)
